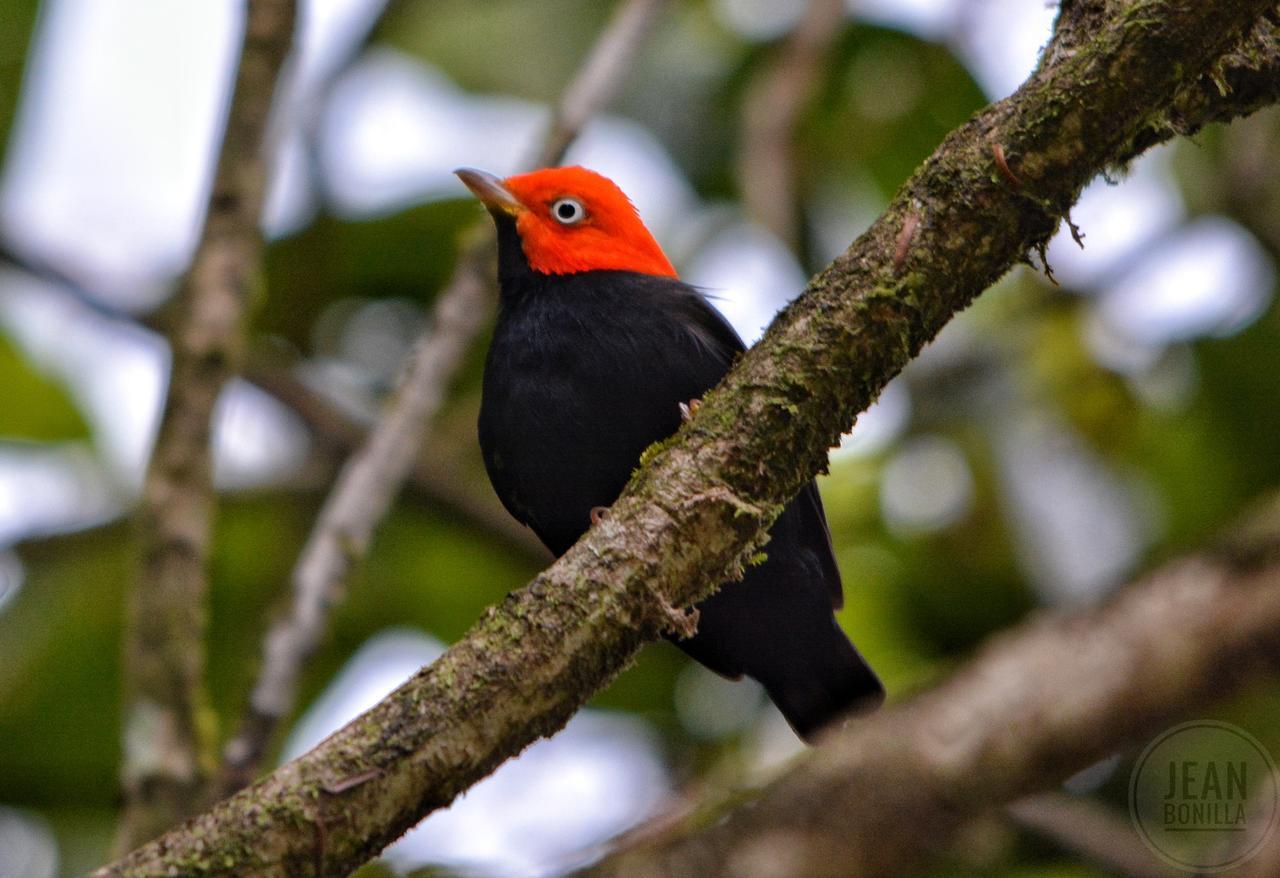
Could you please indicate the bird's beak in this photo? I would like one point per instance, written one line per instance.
(489, 189)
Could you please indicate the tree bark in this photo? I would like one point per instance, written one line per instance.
(169, 734)
(701, 501)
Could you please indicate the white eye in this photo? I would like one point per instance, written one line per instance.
(568, 211)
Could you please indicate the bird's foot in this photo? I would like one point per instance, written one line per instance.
(689, 409)
(599, 514)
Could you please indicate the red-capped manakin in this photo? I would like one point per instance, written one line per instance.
(597, 344)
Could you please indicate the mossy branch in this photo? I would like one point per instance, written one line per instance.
(1244, 79)
(699, 508)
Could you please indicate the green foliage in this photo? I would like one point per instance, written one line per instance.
(407, 255)
(901, 95)
(35, 407)
(60, 671)
(1237, 403)
(507, 47)
(17, 21)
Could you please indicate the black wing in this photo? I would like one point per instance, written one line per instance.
(707, 326)
(719, 341)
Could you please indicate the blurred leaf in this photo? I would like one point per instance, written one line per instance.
(1240, 400)
(890, 100)
(528, 50)
(35, 406)
(1060, 368)
(378, 869)
(17, 22)
(85, 836)
(407, 255)
(60, 672)
(962, 584)
(691, 69)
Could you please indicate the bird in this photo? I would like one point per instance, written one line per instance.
(597, 352)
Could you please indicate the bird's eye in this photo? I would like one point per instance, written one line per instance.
(568, 211)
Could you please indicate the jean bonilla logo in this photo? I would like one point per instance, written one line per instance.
(1204, 796)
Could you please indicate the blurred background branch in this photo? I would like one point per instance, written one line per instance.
(370, 480)
(601, 76)
(1037, 705)
(170, 730)
(1089, 830)
(776, 100)
(435, 473)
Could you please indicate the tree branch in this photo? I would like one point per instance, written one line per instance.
(369, 482)
(1037, 705)
(700, 502)
(595, 85)
(771, 112)
(169, 735)
(1242, 81)
(434, 473)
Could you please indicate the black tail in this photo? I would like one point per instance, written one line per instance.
(778, 627)
(821, 681)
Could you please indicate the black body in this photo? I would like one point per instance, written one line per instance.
(585, 371)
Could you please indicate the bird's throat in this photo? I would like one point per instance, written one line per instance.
(513, 264)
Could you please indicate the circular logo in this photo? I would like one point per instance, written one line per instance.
(1204, 796)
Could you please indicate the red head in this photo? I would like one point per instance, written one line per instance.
(571, 220)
